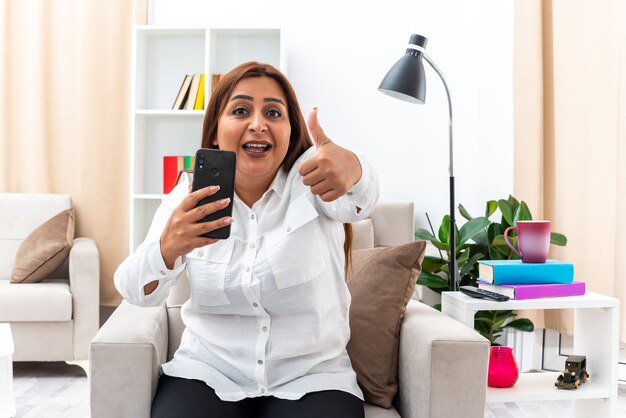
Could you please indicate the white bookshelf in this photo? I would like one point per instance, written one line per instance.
(162, 56)
(596, 336)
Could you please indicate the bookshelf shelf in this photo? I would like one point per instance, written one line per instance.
(162, 56)
(596, 331)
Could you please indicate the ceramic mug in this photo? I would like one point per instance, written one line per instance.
(533, 239)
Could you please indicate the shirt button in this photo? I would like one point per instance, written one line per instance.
(256, 305)
(264, 329)
(200, 253)
(349, 193)
(252, 216)
(248, 268)
(262, 390)
(260, 361)
(252, 245)
(288, 229)
(162, 272)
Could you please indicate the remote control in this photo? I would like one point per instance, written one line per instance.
(477, 293)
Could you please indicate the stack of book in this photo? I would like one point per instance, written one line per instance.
(173, 165)
(519, 280)
(191, 93)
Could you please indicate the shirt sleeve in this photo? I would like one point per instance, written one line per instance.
(359, 202)
(146, 264)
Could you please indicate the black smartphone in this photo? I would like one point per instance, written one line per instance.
(215, 168)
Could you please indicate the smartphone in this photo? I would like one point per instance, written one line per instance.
(215, 168)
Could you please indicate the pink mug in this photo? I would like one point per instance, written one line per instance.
(533, 239)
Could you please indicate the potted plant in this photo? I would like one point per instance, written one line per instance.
(479, 238)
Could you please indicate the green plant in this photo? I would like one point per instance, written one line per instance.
(479, 238)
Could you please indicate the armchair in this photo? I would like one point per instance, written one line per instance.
(53, 320)
(438, 355)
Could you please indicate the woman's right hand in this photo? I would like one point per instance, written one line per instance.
(182, 231)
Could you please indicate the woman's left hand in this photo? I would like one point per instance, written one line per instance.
(332, 170)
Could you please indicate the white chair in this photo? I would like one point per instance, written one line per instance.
(442, 363)
(56, 319)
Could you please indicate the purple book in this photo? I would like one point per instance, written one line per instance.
(535, 291)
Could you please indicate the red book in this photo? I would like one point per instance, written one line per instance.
(535, 291)
(170, 172)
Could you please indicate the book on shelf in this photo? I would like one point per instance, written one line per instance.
(535, 291)
(173, 165)
(200, 96)
(183, 92)
(215, 79)
(193, 92)
(516, 272)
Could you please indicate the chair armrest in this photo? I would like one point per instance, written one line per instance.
(125, 359)
(84, 276)
(442, 369)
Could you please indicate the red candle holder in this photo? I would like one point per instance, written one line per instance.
(503, 370)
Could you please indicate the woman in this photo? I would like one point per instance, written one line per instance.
(267, 321)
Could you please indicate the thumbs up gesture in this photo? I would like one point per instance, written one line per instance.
(333, 170)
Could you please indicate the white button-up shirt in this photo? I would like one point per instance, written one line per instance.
(268, 313)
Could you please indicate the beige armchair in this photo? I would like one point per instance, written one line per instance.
(442, 363)
(56, 319)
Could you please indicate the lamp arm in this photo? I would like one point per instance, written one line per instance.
(453, 267)
(445, 85)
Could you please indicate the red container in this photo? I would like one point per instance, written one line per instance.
(503, 370)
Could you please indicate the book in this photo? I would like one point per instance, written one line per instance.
(173, 166)
(215, 79)
(190, 162)
(516, 272)
(170, 173)
(183, 92)
(193, 92)
(535, 291)
(200, 96)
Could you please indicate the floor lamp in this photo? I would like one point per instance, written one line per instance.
(406, 81)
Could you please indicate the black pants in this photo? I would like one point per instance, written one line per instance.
(176, 397)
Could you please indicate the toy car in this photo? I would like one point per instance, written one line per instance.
(574, 374)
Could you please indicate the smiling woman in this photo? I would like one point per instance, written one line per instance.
(276, 109)
(267, 322)
(257, 129)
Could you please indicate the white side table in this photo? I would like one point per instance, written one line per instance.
(596, 336)
(7, 403)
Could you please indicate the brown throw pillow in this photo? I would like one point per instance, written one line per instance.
(44, 249)
(381, 282)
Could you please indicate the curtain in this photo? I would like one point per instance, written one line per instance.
(64, 117)
(570, 133)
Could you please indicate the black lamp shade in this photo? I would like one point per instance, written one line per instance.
(406, 79)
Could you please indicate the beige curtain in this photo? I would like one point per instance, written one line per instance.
(570, 133)
(64, 116)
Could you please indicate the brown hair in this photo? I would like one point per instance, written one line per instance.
(299, 141)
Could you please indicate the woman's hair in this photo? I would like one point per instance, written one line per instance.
(299, 141)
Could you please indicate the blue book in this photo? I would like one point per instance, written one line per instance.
(515, 272)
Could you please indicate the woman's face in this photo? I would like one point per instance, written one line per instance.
(255, 125)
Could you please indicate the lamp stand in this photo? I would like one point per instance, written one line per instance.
(453, 275)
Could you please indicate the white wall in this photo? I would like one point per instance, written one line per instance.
(339, 51)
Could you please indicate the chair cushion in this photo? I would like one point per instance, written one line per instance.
(372, 411)
(44, 249)
(381, 282)
(49, 300)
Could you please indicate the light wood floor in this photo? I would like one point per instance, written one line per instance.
(60, 390)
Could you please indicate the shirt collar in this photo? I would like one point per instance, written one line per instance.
(278, 184)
